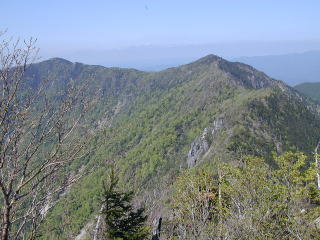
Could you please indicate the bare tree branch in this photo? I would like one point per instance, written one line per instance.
(39, 137)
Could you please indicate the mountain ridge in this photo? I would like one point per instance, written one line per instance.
(157, 125)
(204, 61)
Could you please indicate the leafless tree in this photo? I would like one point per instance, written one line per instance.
(39, 137)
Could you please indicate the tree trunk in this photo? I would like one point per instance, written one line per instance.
(156, 228)
(96, 229)
(220, 204)
(317, 164)
(6, 222)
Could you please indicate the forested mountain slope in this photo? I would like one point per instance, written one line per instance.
(311, 90)
(157, 125)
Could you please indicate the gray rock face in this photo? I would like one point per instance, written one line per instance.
(201, 144)
(198, 147)
(217, 125)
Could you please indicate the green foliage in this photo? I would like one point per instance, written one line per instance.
(72, 211)
(276, 123)
(196, 205)
(250, 201)
(122, 223)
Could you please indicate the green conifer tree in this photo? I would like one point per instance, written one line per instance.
(122, 222)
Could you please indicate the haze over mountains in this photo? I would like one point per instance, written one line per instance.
(290, 68)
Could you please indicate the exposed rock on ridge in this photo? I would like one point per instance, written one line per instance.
(201, 144)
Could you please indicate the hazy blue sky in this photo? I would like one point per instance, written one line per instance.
(97, 29)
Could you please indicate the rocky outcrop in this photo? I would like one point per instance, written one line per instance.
(85, 232)
(201, 144)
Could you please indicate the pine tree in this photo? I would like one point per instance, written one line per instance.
(122, 222)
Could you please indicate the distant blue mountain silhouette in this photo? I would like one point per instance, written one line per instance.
(291, 68)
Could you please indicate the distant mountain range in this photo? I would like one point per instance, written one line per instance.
(291, 68)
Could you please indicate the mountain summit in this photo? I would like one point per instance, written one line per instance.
(208, 59)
